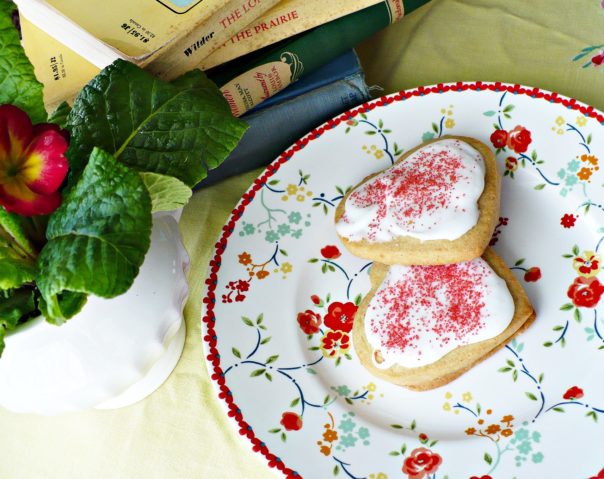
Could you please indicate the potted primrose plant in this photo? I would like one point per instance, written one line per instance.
(92, 270)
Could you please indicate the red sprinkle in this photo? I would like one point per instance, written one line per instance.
(443, 302)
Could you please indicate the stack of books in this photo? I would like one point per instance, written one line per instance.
(272, 59)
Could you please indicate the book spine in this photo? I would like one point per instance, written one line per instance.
(279, 66)
(273, 129)
(186, 53)
(337, 69)
(285, 20)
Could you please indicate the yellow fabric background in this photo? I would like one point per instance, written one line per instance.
(180, 431)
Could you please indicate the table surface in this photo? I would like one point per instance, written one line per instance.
(180, 431)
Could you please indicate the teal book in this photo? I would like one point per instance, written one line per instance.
(273, 129)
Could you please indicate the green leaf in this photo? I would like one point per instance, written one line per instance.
(540, 186)
(97, 239)
(14, 270)
(435, 127)
(295, 402)
(541, 376)
(247, 321)
(576, 250)
(257, 372)
(236, 353)
(266, 340)
(489, 113)
(14, 305)
(59, 116)
(567, 306)
(336, 470)
(519, 262)
(558, 409)
(508, 108)
(275, 430)
(167, 192)
(515, 375)
(18, 83)
(394, 453)
(396, 426)
(357, 299)
(178, 129)
(558, 328)
(548, 344)
(589, 139)
(504, 370)
(13, 230)
(487, 458)
(577, 315)
(272, 359)
(531, 396)
(68, 303)
(413, 425)
(268, 376)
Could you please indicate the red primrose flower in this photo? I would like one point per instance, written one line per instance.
(32, 163)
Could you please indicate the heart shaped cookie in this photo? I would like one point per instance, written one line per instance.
(437, 204)
(423, 326)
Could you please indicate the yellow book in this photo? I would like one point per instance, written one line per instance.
(61, 70)
(135, 30)
(186, 53)
(284, 20)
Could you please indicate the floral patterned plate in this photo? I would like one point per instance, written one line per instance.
(280, 282)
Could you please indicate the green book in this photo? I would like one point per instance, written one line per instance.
(247, 81)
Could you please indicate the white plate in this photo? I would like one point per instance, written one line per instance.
(526, 411)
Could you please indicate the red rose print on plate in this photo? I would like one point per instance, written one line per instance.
(532, 275)
(330, 252)
(499, 138)
(309, 321)
(573, 393)
(340, 316)
(519, 139)
(420, 463)
(585, 292)
(291, 421)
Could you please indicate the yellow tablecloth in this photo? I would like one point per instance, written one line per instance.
(180, 431)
